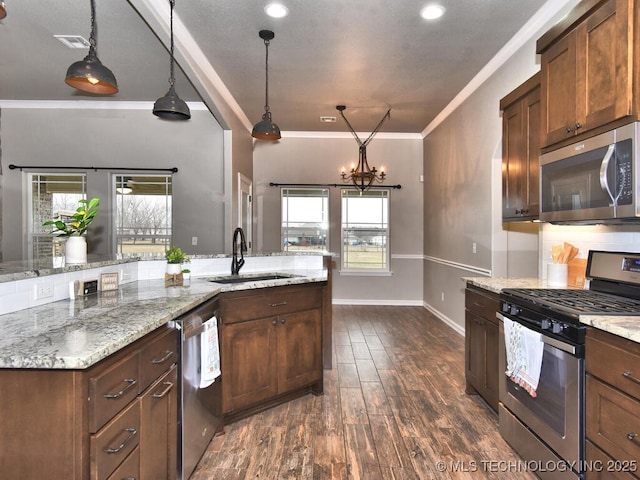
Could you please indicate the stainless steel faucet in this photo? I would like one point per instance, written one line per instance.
(236, 264)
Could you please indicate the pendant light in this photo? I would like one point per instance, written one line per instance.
(362, 175)
(3, 10)
(90, 75)
(171, 107)
(266, 129)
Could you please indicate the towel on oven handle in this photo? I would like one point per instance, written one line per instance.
(524, 349)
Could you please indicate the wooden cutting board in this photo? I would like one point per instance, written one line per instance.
(576, 270)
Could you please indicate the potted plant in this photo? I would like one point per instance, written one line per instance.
(186, 273)
(175, 258)
(73, 227)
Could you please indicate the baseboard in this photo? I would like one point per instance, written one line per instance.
(446, 320)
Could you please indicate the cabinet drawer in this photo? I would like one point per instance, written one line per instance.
(613, 420)
(615, 360)
(484, 305)
(111, 445)
(601, 466)
(129, 469)
(111, 390)
(270, 302)
(158, 356)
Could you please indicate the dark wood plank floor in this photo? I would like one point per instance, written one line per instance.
(393, 407)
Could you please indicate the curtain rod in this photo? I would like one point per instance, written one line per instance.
(273, 184)
(46, 167)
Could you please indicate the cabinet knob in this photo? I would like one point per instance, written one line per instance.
(578, 126)
(633, 437)
(569, 129)
(282, 321)
(274, 322)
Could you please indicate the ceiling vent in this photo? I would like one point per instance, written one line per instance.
(326, 119)
(73, 41)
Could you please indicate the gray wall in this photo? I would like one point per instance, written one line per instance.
(462, 196)
(319, 160)
(119, 138)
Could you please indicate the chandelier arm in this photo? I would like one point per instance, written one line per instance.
(375, 130)
(355, 135)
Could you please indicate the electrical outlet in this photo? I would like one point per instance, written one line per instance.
(43, 290)
(474, 248)
(442, 296)
(194, 240)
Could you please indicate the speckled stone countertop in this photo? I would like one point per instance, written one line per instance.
(622, 326)
(75, 334)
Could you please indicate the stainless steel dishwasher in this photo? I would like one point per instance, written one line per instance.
(199, 412)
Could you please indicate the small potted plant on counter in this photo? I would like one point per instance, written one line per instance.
(175, 258)
(73, 226)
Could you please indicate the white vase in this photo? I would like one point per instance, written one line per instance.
(75, 250)
(174, 268)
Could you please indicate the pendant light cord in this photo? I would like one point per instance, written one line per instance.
(266, 83)
(94, 31)
(172, 80)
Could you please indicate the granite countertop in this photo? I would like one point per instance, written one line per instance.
(75, 334)
(627, 326)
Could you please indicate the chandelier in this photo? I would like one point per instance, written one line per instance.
(362, 175)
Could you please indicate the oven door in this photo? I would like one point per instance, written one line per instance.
(556, 414)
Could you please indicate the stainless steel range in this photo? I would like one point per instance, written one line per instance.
(549, 429)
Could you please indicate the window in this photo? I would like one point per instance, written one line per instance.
(305, 219)
(143, 214)
(365, 230)
(51, 195)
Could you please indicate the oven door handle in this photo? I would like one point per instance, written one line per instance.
(565, 347)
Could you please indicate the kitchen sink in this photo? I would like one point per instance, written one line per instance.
(250, 278)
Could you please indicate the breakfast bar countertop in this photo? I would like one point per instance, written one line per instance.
(75, 334)
(626, 326)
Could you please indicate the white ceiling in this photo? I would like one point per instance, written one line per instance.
(370, 55)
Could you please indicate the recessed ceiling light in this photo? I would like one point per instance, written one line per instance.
(276, 10)
(432, 12)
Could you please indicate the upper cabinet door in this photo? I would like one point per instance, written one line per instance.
(559, 72)
(604, 65)
(587, 71)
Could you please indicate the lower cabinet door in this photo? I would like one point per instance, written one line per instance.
(248, 363)
(299, 349)
(159, 428)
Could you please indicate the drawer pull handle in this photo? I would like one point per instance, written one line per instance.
(633, 437)
(132, 433)
(480, 305)
(167, 356)
(168, 387)
(629, 375)
(279, 304)
(130, 383)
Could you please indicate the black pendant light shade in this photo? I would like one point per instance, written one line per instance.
(265, 129)
(171, 107)
(90, 75)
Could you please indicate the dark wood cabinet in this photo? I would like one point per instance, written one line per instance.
(271, 346)
(100, 423)
(587, 65)
(612, 405)
(521, 137)
(481, 344)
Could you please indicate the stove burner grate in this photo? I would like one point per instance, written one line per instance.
(580, 301)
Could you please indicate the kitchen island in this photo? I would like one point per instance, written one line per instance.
(90, 385)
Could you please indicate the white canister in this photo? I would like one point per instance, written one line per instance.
(557, 274)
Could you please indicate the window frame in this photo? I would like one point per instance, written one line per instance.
(325, 214)
(117, 180)
(385, 269)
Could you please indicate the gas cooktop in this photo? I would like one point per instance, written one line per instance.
(580, 302)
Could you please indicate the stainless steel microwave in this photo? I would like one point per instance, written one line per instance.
(592, 181)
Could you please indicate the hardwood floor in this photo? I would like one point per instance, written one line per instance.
(393, 408)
